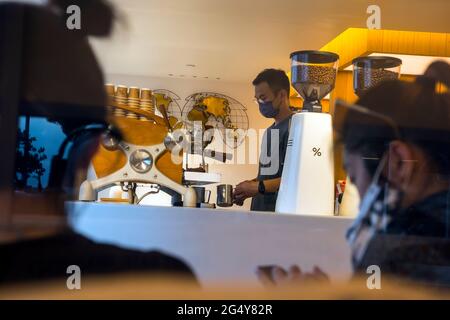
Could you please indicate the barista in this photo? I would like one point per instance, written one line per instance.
(272, 89)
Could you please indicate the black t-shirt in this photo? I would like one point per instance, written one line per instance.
(271, 162)
(48, 258)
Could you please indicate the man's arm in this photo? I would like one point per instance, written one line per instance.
(249, 188)
(272, 185)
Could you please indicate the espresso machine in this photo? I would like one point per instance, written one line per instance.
(307, 182)
(149, 153)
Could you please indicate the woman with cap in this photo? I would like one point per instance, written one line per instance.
(397, 152)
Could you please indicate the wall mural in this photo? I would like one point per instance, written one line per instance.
(217, 111)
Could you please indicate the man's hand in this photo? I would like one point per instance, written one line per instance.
(244, 190)
(294, 276)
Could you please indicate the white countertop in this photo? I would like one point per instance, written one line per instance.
(220, 245)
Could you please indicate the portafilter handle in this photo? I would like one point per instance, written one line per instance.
(163, 111)
(220, 156)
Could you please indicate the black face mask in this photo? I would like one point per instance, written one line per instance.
(268, 110)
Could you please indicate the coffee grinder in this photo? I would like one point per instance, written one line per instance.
(307, 182)
(371, 70)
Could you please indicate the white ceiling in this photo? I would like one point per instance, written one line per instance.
(235, 39)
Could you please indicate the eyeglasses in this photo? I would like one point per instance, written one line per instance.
(259, 101)
(42, 146)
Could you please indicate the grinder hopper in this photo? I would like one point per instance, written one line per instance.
(313, 76)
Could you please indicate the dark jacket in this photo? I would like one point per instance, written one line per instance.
(415, 246)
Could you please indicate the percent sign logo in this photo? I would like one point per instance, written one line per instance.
(317, 152)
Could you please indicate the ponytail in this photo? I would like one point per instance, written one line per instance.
(439, 71)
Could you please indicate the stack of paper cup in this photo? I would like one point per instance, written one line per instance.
(146, 102)
(110, 89)
(122, 98)
(111, 92)
(133, 102)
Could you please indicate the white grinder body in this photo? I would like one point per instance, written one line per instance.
(307, 182)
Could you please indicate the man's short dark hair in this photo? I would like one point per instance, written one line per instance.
(275, 78)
